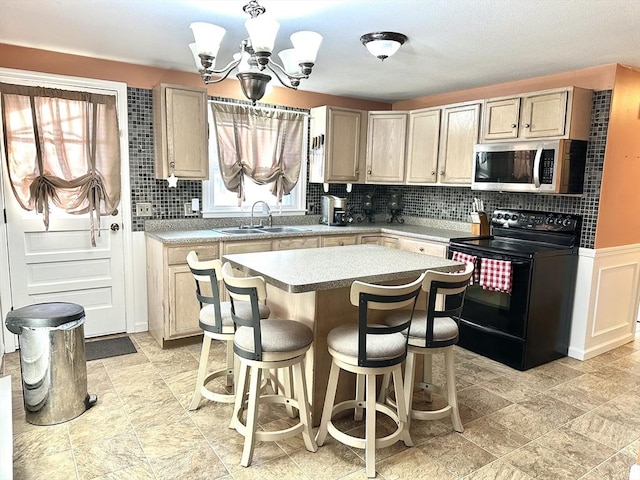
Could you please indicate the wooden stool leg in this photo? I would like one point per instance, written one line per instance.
(401, 405)
(288, 391)
(330, 397)
(252, 417)
(357, 414)
(452, 395)
(370, 429)
(305, 413)
(202, 372)
(241, 393)
(427, 374)
(409, 373)
(384, 388)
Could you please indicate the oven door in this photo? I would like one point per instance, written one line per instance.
(497, 311)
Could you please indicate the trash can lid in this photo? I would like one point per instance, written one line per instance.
(51, 314)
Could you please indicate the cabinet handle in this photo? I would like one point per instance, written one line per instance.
(421, 249)
(433, 173)
(442, 173)
(368, 172)
(513, 125)
(526, 125)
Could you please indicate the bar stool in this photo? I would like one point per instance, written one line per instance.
(369, 349)
(216, 323)
(266, 345)
(432, 332)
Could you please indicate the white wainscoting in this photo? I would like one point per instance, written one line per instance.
(606, 300)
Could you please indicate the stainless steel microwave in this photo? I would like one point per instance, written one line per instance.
(538, 167)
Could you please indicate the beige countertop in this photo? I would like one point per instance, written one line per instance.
(306, 270)
(422, 232)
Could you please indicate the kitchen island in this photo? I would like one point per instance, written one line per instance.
(312, 286)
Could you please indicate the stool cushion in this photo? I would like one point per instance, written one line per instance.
(243, 309)
(277, 336)
(344, 340)
(445, 329)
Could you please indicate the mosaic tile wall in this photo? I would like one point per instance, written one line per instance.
(446, 203)
(451, 203)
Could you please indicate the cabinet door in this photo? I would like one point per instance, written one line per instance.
(544, 115)
(459, 135)
(421, 246)
(184, 308)
(369, 239)
(501, 119)
(390, 242)
(338, 136)
(386, 143)
(422, 146)
(181, 130)
(339, 240)
(296, 243)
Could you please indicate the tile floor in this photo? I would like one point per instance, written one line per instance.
(564, 420)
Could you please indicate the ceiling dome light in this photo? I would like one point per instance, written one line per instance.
(383, 44)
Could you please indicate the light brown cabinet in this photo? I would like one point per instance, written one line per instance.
(338, 240)
(181, 132)
(558, 113)
(171, 291)
(338, 137)
(422, 246)
(384, 240)
(386, 147)
(423, 143)
(460, 131)
(296, 243)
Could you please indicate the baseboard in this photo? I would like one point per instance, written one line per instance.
(595, 351)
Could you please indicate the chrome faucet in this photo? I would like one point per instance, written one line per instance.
(265, 204)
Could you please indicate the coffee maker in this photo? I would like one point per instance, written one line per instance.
(334, 210)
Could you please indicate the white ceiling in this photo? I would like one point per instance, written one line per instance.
(453, 44)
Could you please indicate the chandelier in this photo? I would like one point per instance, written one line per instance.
(254, 57)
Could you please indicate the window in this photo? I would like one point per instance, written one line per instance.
(220, 202)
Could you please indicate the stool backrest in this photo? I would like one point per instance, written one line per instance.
(207, 274)
(452, 287)
(368, 297)
(246, 289)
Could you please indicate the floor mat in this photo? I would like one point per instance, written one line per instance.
(109, 347)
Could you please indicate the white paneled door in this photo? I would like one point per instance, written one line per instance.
(60, 264)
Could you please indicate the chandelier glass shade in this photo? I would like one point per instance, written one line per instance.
(255, 58)
(383, 44)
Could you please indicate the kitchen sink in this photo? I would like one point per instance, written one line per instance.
(253, 231)
(284, 229)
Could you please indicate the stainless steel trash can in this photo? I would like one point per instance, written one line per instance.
(52, 361)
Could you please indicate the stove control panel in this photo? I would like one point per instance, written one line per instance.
(534, 220)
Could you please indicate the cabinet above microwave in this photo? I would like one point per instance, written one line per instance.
(561, 113)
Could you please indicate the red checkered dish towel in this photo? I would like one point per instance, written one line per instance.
(465, 258)
(495, 275)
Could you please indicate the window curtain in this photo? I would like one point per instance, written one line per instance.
(263, 145)
(62, 147)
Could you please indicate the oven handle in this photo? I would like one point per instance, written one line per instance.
(536, 167)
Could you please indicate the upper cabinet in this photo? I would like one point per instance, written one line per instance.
(423, 142)
(386, 147)
(558, 113)
(181, 132)
(460, 130)
(338, 137)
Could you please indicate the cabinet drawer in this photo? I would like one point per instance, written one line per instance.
(178, 255)
(339, 240)
(296, 243)
(247, 247)
(427, 248)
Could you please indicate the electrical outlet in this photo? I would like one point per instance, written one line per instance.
(143, 210)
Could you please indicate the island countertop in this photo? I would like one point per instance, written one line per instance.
(298, 271)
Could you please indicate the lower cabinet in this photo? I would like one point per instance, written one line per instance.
(389, 241)
(338, 240)
(422, 246)
(171, 292)
(296, 243)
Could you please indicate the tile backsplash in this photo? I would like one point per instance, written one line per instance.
(447, 203)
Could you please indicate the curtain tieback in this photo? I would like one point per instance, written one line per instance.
(41, 191)
(95, 196)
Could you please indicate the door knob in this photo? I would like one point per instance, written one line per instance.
(115, 227)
